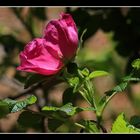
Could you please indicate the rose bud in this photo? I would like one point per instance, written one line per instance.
(62, 33)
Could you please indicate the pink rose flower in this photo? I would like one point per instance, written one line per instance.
(62, 33)
(40, 58)
(48, 55)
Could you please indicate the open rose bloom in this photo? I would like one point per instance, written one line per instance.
(47, 55)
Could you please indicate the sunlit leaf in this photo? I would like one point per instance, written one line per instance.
(85, 72)
(74, 82)
(136, 64)
(121, 125)
(68, 109)
(50, 108)
(15, 106)
(95, 74)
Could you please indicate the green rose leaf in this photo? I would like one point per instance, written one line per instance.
(95, 74)
(68, 96)
(119, 88)
(4, 109)
(74, 82)
(15, 106)
(109, 94)
(121, 125)
(136, 64)
(53, 124)
(135, 120)
(85, 72)
(130, 78)
(65, 111)
(30, 119)
(88, 126)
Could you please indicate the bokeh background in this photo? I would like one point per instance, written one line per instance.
(111, 43)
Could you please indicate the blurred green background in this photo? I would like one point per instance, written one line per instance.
(111, 43)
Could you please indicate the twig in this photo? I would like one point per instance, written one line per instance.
(48, 84)
(29, 29)
(28, 91)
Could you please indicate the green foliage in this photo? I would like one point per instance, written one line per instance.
(80, 83)
(119, 88)
(68, 96)
(136, 64)
(95, 74)
(85, 72)
(88, 126)
(65, 111)
(121, 125)
(60, 115)
(30, 119)
(130, 78)
(10, 106)
(74, 82)
(125, 35)
(68, 109)
(53, 124)
(109, 94)
(4, 109)
(135, 120)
